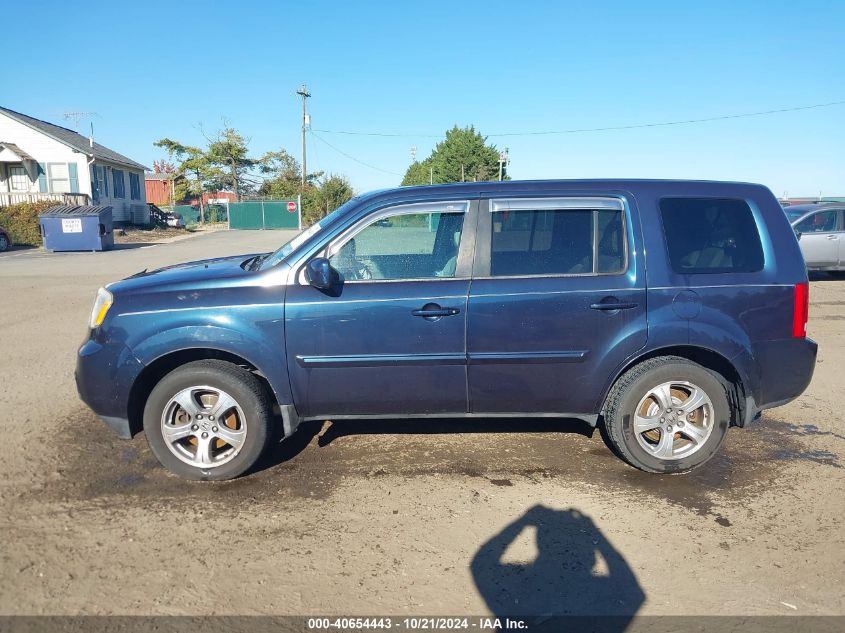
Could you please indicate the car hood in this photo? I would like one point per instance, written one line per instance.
(198, 274)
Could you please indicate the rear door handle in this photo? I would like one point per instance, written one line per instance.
(615, 305)
(833, 237)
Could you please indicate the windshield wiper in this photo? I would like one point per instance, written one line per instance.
(255, 262)
(247, 263)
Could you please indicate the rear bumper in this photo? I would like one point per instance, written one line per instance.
(786, 368)
(105, 373)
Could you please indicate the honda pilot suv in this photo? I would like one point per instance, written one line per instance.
(666, 311)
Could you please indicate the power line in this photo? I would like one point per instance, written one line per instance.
(340, 151)
(607, 128)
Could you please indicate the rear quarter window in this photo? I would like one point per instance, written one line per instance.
(711, 235)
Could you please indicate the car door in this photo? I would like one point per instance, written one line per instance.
(391, 339)
(558, 302)
(840, 242)
(819, 239)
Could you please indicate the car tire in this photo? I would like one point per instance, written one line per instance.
(208, 420)
(651, 421)
(4, 242)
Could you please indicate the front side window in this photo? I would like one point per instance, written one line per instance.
(407, 245)
(556, 241)
(711, 235)
(821, 222)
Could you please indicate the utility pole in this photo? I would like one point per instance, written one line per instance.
(504, 159)
(413, 154)
(306, 121)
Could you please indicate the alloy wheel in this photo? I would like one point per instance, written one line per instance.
(203, 426)
(673, 420)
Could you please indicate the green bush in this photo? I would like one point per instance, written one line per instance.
(21, 221)
(215, 213)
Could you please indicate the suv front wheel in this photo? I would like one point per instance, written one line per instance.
(208, 420)
(667, 415)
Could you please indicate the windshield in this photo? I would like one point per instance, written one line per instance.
(288, 248)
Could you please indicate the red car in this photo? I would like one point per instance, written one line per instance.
(5, 241)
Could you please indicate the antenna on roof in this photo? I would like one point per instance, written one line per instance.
(77, 116)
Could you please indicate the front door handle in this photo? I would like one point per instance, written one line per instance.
(613, 305)
(432, 312)
(833, 237)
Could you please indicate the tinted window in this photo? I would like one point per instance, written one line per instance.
(611, 242)
(708, 235)
(406, 246)
(794, 214)
(821, 222)
(556, 242)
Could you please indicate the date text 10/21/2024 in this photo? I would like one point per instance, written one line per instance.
(417, 623)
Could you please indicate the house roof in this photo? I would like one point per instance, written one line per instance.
(17, 151)
(72, 139)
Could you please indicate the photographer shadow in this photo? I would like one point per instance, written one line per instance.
(576, 572)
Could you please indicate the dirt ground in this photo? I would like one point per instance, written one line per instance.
(158, 235)
(400, 516)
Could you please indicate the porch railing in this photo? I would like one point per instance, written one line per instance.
(16, 197)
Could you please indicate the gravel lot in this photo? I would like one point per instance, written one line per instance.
(398, 517)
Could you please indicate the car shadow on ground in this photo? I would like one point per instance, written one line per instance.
(428, 426)
(18, 248)
(329, 431)
(575, 572)
(820, 276)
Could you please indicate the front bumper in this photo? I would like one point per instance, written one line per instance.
(105, 372)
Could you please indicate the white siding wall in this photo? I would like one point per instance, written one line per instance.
(121, 207)
(44, 150)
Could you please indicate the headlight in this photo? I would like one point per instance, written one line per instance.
(101, 307)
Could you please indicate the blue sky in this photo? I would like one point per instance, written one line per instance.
(165, 69)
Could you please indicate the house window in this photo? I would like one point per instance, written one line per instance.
(134, 186)
(102, 182)
(59, 177)
(117, 180)
(18, 179)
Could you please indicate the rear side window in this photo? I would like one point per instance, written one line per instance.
(711, 235)
(556, 242)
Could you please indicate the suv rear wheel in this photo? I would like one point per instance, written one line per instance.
(667, 415)
(208, 420)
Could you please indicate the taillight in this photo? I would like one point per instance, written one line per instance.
(801, 310)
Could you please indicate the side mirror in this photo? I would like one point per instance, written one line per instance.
(798, 235)
(320, 274)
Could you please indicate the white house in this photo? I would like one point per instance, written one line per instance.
(42, 161)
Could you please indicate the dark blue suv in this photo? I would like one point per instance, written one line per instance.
(666, 311)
